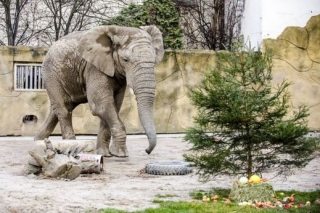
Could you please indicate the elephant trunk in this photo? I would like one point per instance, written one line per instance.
(144, 90)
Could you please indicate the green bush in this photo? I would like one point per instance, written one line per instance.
(161, 13)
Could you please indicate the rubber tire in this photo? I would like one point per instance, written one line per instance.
(168, 168)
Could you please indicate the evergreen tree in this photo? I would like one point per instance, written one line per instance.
(161, 13)
(242, 126)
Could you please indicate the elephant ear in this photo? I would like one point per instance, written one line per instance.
(95, 46)
(157, 40)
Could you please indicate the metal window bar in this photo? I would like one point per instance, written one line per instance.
(28, 77)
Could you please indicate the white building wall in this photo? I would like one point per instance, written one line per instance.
(268, 18)
(251, 22)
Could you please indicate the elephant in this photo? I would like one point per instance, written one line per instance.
(95, 67)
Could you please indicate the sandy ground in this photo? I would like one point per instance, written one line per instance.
(121, 186)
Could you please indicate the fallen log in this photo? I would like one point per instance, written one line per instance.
(56, 163)
(62, 159)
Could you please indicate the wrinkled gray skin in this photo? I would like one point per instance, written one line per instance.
(95, 66)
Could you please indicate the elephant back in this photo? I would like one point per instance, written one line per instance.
(62, 53)
(63, 63)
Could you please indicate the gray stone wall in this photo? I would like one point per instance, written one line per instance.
(297, 60)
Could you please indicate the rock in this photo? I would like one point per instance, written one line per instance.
(317, 202)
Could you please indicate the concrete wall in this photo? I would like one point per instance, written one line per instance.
(14, 105)
(297, 59)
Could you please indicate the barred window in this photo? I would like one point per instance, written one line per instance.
(28, 77)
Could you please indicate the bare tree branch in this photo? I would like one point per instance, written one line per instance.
(211, 24)
(41, 22)
(18, 21)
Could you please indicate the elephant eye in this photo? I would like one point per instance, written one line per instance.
(125, 58)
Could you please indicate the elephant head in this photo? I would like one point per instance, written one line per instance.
(129, 52)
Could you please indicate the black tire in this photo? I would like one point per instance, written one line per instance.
(168, 168)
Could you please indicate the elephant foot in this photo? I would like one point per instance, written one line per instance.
(103, 152)
(118, 151)
(69, 136)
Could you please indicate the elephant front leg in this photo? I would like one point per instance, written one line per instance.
(118, 146)
(105, 103)
(103, 140)
(107, 112)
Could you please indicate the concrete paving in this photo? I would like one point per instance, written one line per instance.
(123, 185)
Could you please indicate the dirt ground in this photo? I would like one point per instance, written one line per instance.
(122, 185)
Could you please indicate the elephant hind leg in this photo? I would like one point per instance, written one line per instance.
(62, 106)
(64, 114)
(47, 127)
